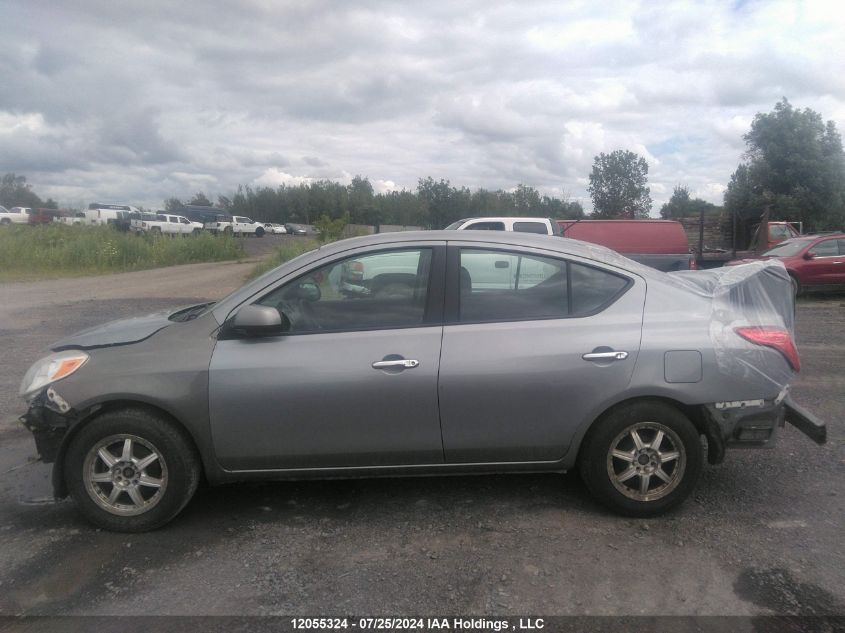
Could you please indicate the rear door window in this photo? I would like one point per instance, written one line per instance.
(510, 286)
(506, 286)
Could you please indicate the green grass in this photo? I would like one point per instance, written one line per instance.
(289, 250)
(56, 250)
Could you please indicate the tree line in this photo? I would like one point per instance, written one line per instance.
(434, 203)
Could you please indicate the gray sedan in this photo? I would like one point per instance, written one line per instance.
(425, 352)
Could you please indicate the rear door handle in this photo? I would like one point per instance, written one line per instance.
(605, 356)
(405, 363)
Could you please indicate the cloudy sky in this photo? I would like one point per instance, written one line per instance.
(138, 101)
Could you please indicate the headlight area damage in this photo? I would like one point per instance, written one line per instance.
(49, 415)
(48, 419)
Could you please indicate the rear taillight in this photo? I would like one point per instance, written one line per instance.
(774, 337)
(692, 264)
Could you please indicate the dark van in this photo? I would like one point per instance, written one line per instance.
(661, 244)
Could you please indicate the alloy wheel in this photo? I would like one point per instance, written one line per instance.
(646, 461)
(125, 475)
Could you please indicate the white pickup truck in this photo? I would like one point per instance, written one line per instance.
(543, 226)
(15, 215)
(164, 224)
(237, 225)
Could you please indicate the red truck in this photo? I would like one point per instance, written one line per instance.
(661, 244)
(763, 236)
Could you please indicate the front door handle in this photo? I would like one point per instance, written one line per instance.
(605, 356)
(404, 363)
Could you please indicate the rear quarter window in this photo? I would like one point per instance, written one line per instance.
(593, 289)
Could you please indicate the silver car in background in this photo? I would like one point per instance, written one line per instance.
(425, 352)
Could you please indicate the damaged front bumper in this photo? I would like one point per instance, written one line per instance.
(48, 419)
(755, 423)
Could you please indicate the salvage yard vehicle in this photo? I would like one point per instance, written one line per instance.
(274, 229)
(814, 262)
(661, 244)
(165, 224)
(236, 225)
(15, 215)
(296, 229)
(425, 353)
(543, 226)
(116, 214)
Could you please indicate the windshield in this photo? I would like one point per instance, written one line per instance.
(454, 225)
(787, 249)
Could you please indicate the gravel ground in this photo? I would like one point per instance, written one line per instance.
(761, 535)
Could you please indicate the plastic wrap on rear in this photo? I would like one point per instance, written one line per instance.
(752, 324)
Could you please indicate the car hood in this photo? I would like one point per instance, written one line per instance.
(120, 332)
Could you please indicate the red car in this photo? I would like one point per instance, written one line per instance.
(813, 261)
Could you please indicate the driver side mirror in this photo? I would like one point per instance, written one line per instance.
(809, 255)
(257, 321)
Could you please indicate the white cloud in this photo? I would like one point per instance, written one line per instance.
(146, 101)
(273, 177)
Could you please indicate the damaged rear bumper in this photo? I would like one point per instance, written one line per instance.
(804, 421)
(755, 423)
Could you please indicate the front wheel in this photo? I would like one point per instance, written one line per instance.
(642, 459)
(130, 470)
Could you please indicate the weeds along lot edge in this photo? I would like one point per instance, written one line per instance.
(29, 252)
(292, 248)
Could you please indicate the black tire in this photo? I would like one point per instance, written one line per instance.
(227, 230)
(177, 470)
(646, 417)
(196, 231)
(5, 222)
(259, 232)
(156, 230)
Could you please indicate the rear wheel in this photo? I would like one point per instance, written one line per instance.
(642, 459)
(131, 470)
(259, 232)
(156, 230)
(5, 222)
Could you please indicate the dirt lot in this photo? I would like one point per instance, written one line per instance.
(762, 534)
